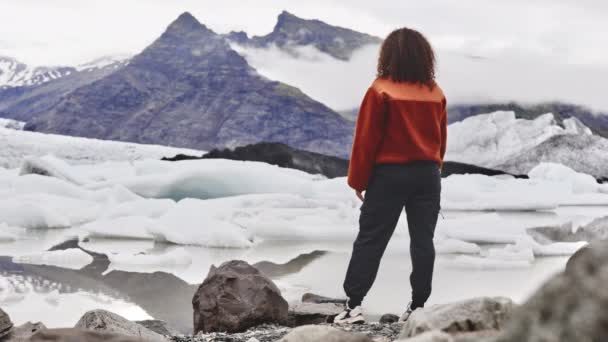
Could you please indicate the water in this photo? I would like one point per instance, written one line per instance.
(58, 297)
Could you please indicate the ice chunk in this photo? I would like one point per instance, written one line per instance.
(52, 167)
(213, 178)
(31, 215)
(479, 192)
(454, 246)
(174, 257)
(7, 233)
(566, 178)
(152, 208)
(187, 223)
(125, 227)
(481, 263)
(73, 258)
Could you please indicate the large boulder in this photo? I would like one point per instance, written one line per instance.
(311, 313)
(25, 331)
(79, 335)
(571, 306)
(235, 297)
(318, 333)
(5, 324)
(477, 314)
(108, 322)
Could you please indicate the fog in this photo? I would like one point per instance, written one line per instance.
(465, 79)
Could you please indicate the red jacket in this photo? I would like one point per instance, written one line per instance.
(397, 123)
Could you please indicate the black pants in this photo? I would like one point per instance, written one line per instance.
(417, 187)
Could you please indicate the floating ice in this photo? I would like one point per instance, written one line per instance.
(73, 258)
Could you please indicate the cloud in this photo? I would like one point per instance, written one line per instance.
(465, 79)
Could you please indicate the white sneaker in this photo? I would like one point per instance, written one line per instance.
(408, 312)
(350, 316)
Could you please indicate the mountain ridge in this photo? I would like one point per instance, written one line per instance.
(190, 89)
(291, 31)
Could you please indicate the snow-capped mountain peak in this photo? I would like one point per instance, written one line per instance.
(14, 73)
(114, 61)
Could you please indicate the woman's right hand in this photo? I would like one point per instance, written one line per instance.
(359, 194)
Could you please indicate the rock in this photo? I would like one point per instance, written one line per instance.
(313, 298)
(79, 335)
(235, 297)
(311, 313)
(159, 327)
(317, 333)
(389, 319)
(429, 336)
(5, 324)
(571, 306)
(25, 331)
(469, 315)
(108, 322)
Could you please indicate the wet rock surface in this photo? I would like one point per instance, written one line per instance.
(477, 314)
(237, 296)
(25, 331)
(5, 324)
(569, 307)
(79, 335)
(108, 322)
(314, 298)
(312, 313)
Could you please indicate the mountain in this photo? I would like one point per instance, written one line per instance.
(291, 31)
(14, 73)
(501, 141)
(190, 89)
(597, 122)
(26, 102)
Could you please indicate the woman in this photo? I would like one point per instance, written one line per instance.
(397, 155)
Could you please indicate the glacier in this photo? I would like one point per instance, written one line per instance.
(501, 141)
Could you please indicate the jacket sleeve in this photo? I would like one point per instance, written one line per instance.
(444, 131)
(369, 132)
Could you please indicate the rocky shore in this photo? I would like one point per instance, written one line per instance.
(238, 303)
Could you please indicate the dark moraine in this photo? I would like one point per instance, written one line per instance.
(315, 163)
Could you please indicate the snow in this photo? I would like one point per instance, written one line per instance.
(73, 258)
(19, 144)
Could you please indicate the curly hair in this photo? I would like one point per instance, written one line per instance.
(407, 56)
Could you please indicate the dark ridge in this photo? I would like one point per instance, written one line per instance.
(316, 163)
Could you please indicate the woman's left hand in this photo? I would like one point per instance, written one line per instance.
(359, 194)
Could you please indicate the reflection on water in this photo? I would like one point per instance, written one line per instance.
(159, 295)
(58, 296)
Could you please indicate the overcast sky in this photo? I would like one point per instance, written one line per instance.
(74, 31)
(535, 50)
